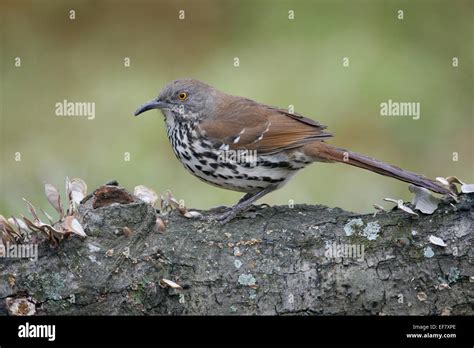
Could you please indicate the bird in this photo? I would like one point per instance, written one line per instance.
(239, 144)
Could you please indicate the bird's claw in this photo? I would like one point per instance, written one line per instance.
(231, 213)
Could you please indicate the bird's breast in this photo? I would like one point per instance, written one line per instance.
(237, 170)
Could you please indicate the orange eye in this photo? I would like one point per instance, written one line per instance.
(183, 96)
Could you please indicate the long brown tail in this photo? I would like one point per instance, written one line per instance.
(325, 152)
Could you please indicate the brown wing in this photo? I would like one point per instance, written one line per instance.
(246, 124)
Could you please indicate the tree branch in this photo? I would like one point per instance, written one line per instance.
(280, 261)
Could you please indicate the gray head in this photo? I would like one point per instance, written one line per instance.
(187, 95)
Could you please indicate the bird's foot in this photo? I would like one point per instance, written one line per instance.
(219, 216)
(227, 216)
(243, 205)
(231, 213)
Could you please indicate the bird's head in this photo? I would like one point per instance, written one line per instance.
(183, 97)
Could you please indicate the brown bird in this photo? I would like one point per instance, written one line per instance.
(239, 144)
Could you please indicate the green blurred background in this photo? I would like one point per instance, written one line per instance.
(282, 62)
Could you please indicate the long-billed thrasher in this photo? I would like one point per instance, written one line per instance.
(239, 144)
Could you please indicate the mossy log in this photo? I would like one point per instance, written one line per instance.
(276, 260)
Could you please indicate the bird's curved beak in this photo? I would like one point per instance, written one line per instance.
(152, 104)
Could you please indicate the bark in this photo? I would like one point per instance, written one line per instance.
(273, 261)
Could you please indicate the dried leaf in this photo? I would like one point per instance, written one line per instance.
(5, 238)
(391, 200)
(9, 229)
(437, 241)
(13, 225)
(71, 224)
(451, 180)
(173, 202)
(77, 190)
(176, 205)
(20, 228)
(70, 209)
(68, 186)
(11, 280)
(401, 206)
(442, 180)
(3, 220)
(379, 207)
(446, 311)
(20, 306)
(424, 201)
(467, 188)
(160, 225)
(52, 194)
(146, 194)
(127, 231)
(163, 204)
(38, 224)
(192, 214)
(31, 225)
(449, 185)
(32, 211)
(13, 229)
(443, 286)
(406, 209)
(54, 235)
(168, 283)
(49, 217)
(422, 296)
(21, 225)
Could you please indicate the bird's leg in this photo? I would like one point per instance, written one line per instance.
(245, 197)
(244, 203)
(226, 209)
